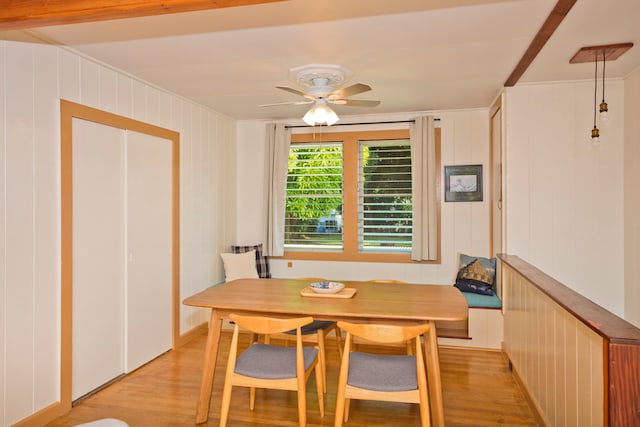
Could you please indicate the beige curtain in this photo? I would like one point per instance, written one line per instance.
(423, 170)
(277, 141)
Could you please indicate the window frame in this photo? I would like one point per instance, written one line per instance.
(350, 141)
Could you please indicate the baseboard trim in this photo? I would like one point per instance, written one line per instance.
(43, 416)
(191, 335)
(537, 413)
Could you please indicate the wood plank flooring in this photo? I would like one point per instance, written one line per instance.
(478, 388)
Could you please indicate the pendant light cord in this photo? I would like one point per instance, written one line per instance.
(604, 67)
(595, 93)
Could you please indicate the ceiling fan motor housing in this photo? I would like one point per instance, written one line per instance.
(320, 79)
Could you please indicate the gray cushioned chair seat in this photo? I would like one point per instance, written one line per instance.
(382, 372)
(312, 327)
(271, 361)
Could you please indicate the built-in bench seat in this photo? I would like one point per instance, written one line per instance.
(484, 314)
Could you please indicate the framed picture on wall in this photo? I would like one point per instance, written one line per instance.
(463, 183)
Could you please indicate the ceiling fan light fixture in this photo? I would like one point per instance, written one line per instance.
(320, 114)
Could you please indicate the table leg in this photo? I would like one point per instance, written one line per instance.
(433, 375)
(209, 368)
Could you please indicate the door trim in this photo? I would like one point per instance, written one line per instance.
(68, 111)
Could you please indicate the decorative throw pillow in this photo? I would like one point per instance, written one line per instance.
(476, 275)
(262, 261)
(239, 266)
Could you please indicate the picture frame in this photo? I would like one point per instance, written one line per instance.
(463, 183)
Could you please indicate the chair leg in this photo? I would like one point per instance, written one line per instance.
(342, 387)
(347, 406)
(226, 402)
(252, 398)
(320, 390)
(302, 402)
(323, 360)
(339, 341)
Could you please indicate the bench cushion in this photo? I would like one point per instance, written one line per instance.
(482, 301)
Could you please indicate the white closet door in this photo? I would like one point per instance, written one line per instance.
(148, 247)
(98, 255)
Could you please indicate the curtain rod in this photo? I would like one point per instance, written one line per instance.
(354, 124)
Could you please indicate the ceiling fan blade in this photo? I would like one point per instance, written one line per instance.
(286, 103)
(356, 102)
(350, 90)
(294, 91)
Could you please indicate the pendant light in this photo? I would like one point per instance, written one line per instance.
(595, 132)
(610, 52)
(604, 108)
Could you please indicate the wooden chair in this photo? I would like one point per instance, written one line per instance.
(314, 333)
(382, 377)
(270, 366)
(407, 344)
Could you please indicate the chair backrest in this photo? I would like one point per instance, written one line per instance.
(269, 325)
(384, 333)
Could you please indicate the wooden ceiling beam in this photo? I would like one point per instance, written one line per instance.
(557, 15)
(23, 14)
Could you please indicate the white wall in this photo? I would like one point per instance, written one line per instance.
(564, 199)
(632, 198)
(465, 226)
(33, 78)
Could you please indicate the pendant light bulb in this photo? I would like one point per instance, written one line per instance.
(604, 113)
(595, 136)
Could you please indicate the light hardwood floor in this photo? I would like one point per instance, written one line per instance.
(479, 390)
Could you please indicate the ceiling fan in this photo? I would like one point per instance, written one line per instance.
(321, 83)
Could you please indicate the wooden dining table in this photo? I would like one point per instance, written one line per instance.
(373, 302)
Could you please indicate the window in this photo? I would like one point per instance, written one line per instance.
(313, 215)
(349, 197)
(384, 196)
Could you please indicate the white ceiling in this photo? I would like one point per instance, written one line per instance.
(417, 55)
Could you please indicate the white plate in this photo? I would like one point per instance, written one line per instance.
(326, 287)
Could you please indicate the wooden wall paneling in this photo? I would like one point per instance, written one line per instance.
(108, 88)
(46, 226)
(480, 212)
(69, 75)
(632, 198)
(571, 407)
(541, 142)
(599, 398)
(563, 203)
(125, 96)
(139, 100)
(580, 375)
(152, 109)
(19, 232)
(89, 83)
(548, 375)
(560, 366)
(164, 110)
(584, 369)
(33, 78)
(518, 129)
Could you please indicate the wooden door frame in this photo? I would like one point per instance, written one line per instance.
(68, 111)
(496, 109)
